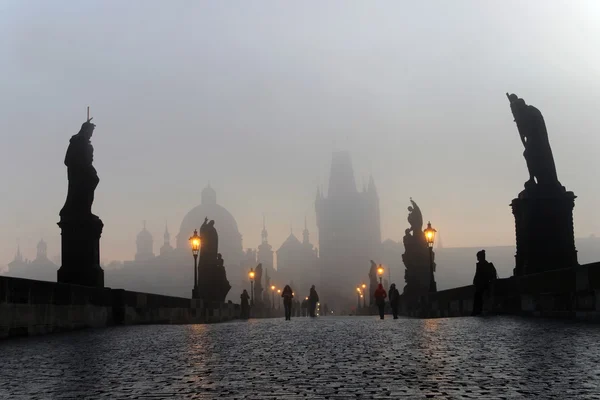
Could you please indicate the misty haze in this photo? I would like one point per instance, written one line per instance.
(252, 102)
(299, 200)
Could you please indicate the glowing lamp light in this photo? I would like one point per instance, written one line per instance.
(358, 289)
(380, 270)
(251, 274)
(306, 298)
(273, 288)
(361, 296)
(430, 234)
(278, 291)
(195, 243)
(364, 286)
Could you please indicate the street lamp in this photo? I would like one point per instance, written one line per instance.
(306, 309)
(380, 273)
(273, 297)
(279, 296)
(358, 295)
(364, 297)
(251, 276)
(430, 237)
(195, 243)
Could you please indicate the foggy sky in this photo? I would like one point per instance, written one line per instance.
(254, 97)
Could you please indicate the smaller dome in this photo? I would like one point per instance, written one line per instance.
(144, 234)
(209, 195)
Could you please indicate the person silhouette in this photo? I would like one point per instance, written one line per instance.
(287, 295)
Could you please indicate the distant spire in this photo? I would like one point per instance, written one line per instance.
(144, 223)
(305, 238)
(264, 235)
(18, 255)
(167, 236)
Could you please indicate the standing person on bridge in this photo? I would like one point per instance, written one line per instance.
(380, 296)
(313, 299)
(287, 295)
(245, 304)
(485, 275)
(394, 300)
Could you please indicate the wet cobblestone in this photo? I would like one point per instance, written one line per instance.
(325, 358)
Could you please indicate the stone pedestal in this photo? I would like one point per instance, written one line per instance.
(417, 258)
(213, 285)
(80, 246)
(544, 230)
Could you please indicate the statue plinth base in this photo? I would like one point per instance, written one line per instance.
(80, 247)
(419, 276)
(544, 230)
(213, 285)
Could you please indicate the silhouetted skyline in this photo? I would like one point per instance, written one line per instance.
(250, 99)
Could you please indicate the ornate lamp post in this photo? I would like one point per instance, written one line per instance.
(195, 243)
(430, 237)
(358, 295)
(273, 297)
(364, 287)
(306, 310)
(380, 271)
(251, 276)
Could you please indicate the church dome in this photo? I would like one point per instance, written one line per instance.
(144, 235)
(209, 196)
(230, 239)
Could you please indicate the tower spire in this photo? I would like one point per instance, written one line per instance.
(167, 236)
(305, 235)
(264, 235)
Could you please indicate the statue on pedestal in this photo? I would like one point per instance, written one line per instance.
(80, 228)
(544, 210)
(415, 218)
(213, 285)
(534, 136)
(416, 257)
(82, 176)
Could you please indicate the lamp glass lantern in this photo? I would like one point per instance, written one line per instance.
(430, 235)
(195, 243)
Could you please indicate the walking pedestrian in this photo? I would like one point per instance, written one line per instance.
(380, 296)
(485, 275)
(287, 295)
(313, 299)
(245, 304)
(394, 296)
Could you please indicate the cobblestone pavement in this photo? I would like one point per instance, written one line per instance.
(324, 358)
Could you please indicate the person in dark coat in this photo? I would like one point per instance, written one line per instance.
(394, 296)
(245, 303)
(380, 296)
(287, 295)
(485, 275)
(313, 299)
